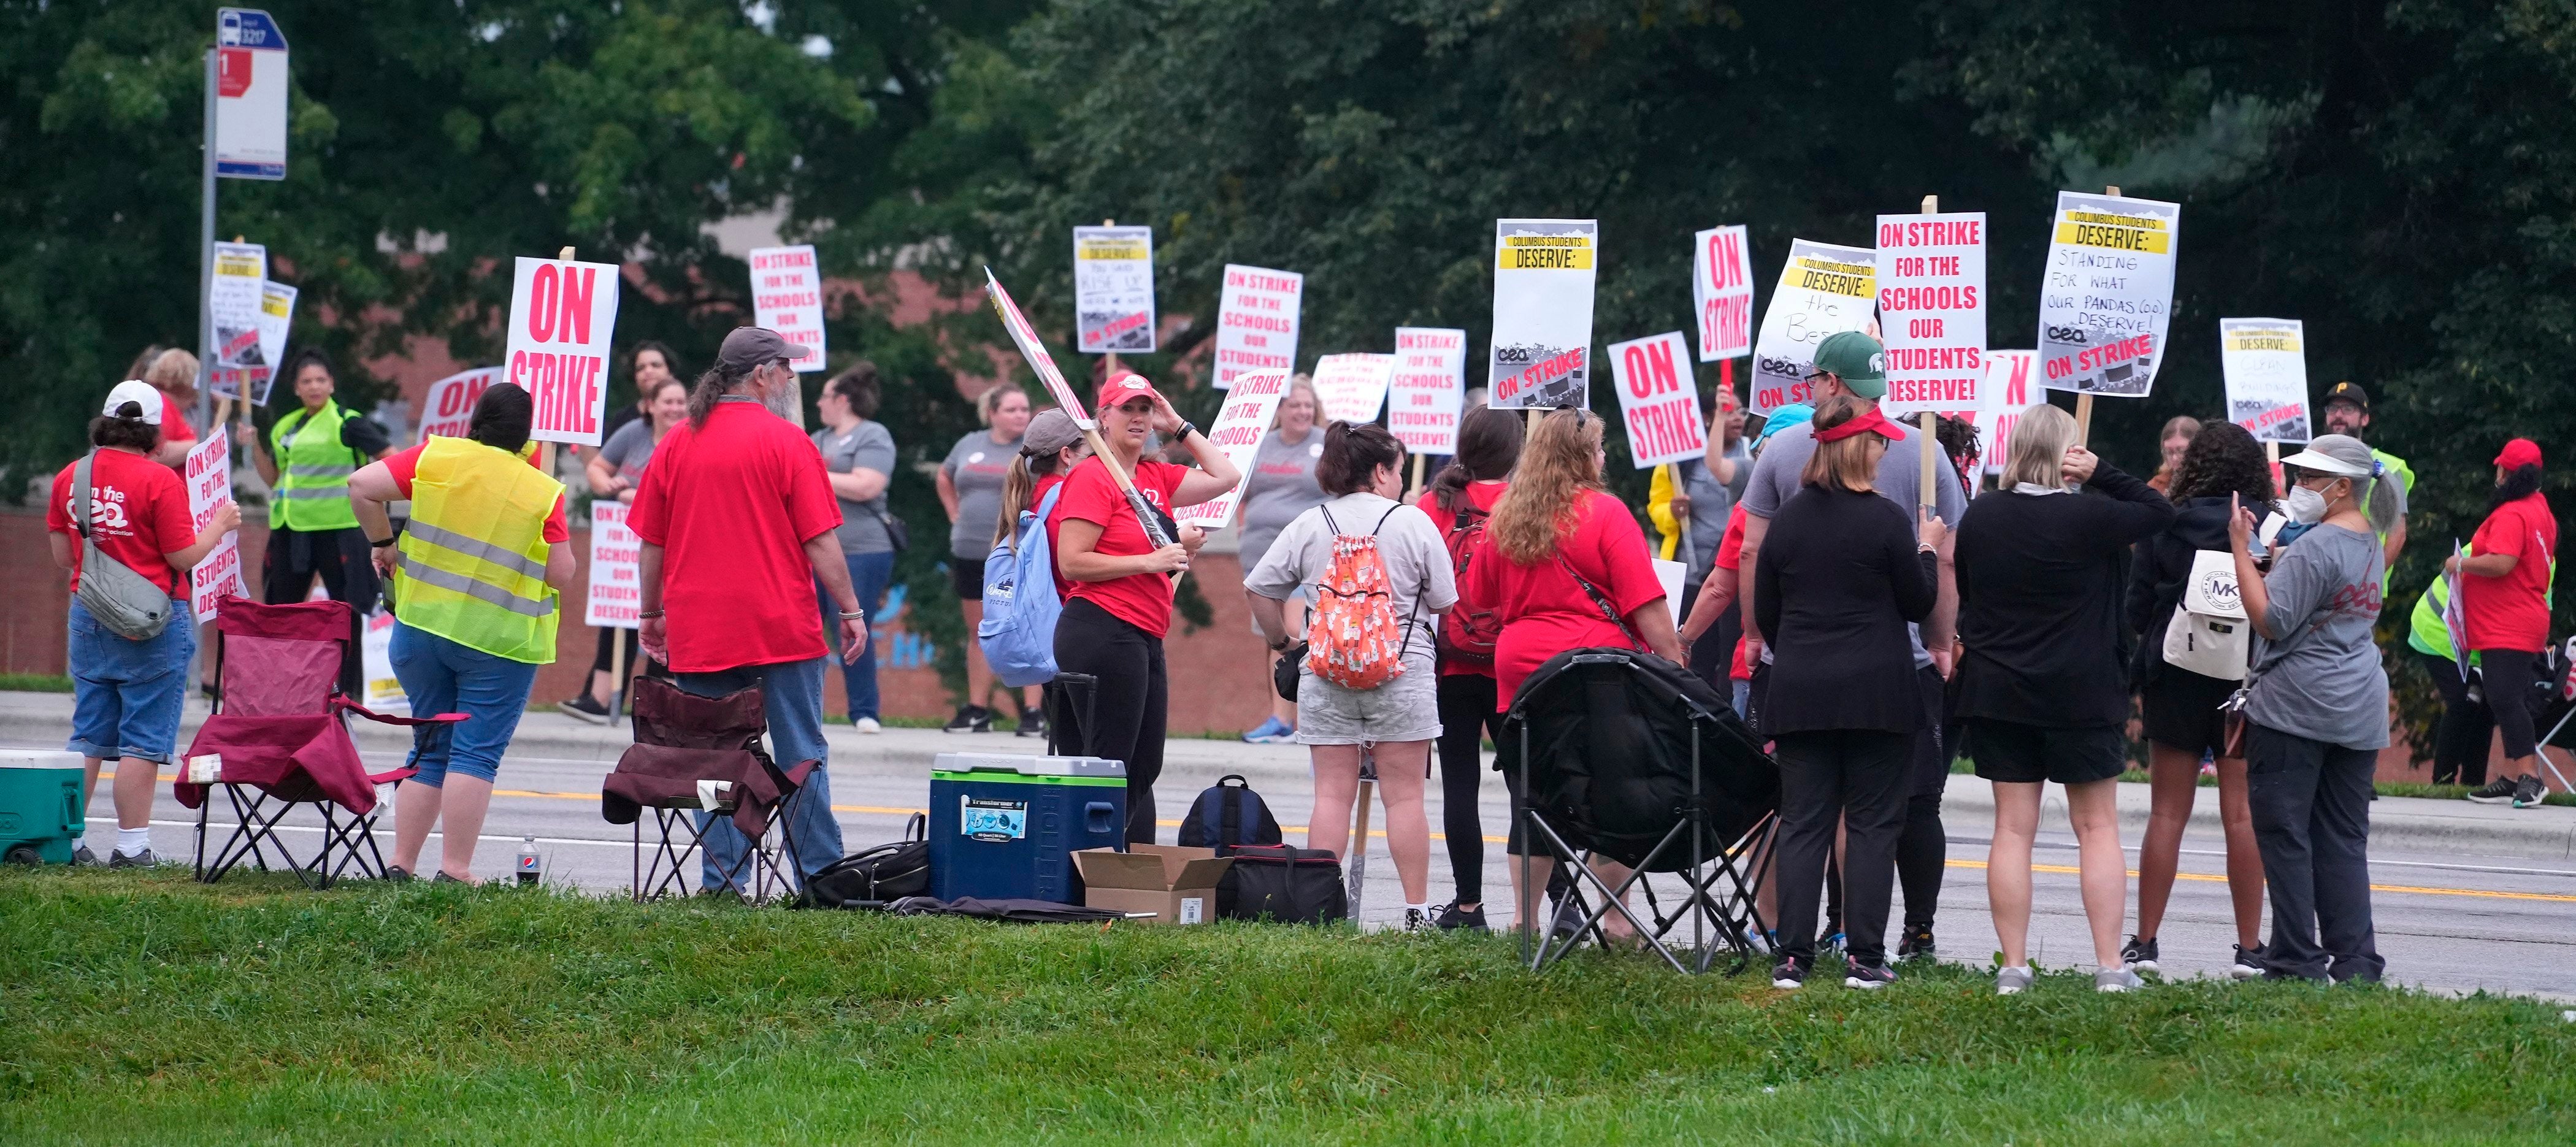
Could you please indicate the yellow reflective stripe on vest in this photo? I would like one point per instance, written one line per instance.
(480, 590)
(477, 550)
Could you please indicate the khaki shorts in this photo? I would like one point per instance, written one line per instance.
(1404, 709)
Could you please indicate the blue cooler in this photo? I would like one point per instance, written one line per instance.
(41, 817)
(1007, 826)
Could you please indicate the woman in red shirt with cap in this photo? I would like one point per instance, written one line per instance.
(1119, 604)
(2504, 602)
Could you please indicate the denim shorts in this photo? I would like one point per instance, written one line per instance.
(126, 695)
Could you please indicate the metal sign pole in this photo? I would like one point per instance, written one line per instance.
(206, 245)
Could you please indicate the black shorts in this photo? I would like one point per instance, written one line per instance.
(2012, 752)
(2180, 710)
(967, 575)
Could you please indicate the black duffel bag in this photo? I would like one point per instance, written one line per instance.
(1282, 884)
(886, 872)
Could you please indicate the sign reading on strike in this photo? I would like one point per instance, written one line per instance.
(2010, 389)
(2267, 377)
(1240, 425)
(1658, 399)
(2107, 293)
(1352, 387)
(250, 95)
(616, 554)
(787, 297)
(561, 316)
(449, 408)
(1025, 337)
(1722, 292)
(1427, 394)
(1543, 279)
(1113, 289)
(1256, 321)
(209, 475)
(1932, 311)
(1824, 289)
(233, 297)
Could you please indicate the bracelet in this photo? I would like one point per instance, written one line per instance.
(380, 545)
(854, 615)
(1187, 428)
(648, 615)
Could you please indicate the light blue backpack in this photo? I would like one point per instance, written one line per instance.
(1020, 603)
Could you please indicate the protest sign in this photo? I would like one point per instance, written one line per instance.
(250, 95)
(276, 319)
(1658, 399)
(2266, 367)
(787, 297)
(2008, 392)
(2107, 293)
(616, 594)
(1428, 391)
(384, 690)
(1256, 321)
(1824, 289)
(1113, 289)
(561, 316)
(450, 404)
(233, 296)
(1025, 337)
(1240, 425)
(1352, 387)
(208, 473)
(1542, 344)
(1932, 311)
(1722, 292)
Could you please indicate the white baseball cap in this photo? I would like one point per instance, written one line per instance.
(140, 393)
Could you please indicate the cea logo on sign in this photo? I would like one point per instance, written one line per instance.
(562, 316)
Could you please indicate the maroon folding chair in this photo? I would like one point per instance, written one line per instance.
(280, 737)
(697, 754)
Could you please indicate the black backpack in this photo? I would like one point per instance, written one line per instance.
(1229, 815)
(886, 872)
(1284, 885)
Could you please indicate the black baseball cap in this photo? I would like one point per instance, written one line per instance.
(2348, 391)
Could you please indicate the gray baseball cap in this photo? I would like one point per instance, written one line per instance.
(748, 347)
(1050, 431)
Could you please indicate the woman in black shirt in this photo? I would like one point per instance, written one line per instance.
(1841, 572)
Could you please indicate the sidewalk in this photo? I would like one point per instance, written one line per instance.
(2403, 824)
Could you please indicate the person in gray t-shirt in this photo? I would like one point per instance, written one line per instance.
(970, 486)
(859, 453)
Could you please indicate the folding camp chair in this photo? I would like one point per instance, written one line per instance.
(1627, 757)
(696, 755)
(280, 739)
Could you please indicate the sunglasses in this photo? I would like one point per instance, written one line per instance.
(1582, 417)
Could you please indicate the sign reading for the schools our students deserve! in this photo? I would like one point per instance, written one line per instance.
(1113, 289)
(1427, 394)
(561, 316)
(209, 475)
(2107, 293)
(1256, 321)
(1658, 399)
(1824, 290)
(1722, 292)
(2267, 377)
(1240, 425)
(787, 297)
(1932, 311)
(616, 556)
(1352, 387)
(250, 95)
(234, 297)
(449, 408)
(2010, 389)
(1025, 337)
(1543, 275)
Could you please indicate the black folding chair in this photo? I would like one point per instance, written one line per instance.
(695, 755)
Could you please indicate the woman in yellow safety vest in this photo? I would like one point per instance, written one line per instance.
(475, 590)
(307, 461)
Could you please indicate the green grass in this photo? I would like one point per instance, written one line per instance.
(35, 683)
(145, 1009)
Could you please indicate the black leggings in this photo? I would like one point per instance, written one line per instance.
(1859, 779)
(2460, 739)
(1466, 716)
(1128, 706)
(2507, 677)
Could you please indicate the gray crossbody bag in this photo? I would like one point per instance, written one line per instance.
(124, 601)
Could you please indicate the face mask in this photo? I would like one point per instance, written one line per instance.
(2306, 506)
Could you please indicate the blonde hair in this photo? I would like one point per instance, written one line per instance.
(2036, 452)
(1296, 383)
(173, 372)
(1559, 462)
(989, 403)
(1844, 464)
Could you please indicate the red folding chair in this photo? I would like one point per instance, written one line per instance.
(280, 736)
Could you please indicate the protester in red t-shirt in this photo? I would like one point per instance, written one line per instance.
(1118, 600)
(2504, 603)
(1489, 445)
(173, 372)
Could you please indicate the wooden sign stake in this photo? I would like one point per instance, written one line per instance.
(1928, 420)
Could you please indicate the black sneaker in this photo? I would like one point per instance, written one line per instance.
(1790, 973)
(397, 874)
(82, 857)
(1915, 943)
(1031, 724)
(1868, 977)
(2248, 964)
(1830, 943)
(2501, 790)
(1453, 918)
(2141, 955)
(970, 719)
(583, 709)
(141, 859)
(2529, 793)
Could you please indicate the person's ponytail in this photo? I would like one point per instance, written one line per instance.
(711, 386)
(2383, 504)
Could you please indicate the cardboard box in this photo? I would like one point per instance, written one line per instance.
(1177, 885)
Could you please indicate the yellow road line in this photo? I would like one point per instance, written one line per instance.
(2415, 889)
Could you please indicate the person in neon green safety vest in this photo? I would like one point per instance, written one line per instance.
(306, 459)
(2347, 412)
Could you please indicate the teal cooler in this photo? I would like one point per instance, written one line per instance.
(40, 806)
(1006, 827)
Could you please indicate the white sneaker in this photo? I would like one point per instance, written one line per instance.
(868, 725)
(2012, 981)
(2117, 980)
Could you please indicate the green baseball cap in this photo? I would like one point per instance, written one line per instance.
(1858, 360)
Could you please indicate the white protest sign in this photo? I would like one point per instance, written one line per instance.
(250, 95)
(1671, 575)
(1542, 341)
(1025, 337)
(787, 297)
(616, 577)
(376, 648)
(208, 473)
(1256, 321)
(1352, 387)
(2009, 390)
(1240, 425)
(1427, 394)
(1932, 311)
(234, 296)
(449, 408)
(562, 314)
(276, 319)
(2107, 293)
(2266, 365)
(1113, 289)
(1722, 292)
(1658, 399)
(1824, 289)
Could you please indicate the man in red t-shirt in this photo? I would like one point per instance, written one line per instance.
(2504, 603)
(738, 522)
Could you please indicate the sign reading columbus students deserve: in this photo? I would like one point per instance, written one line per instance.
(616, 557)
(1256, 321)
(1658, 399)
(1722, 292)
(2107, 293)
(2267, 377)
(1240, 425)
(2010, 389)
(208, 472)
(250, 95)
(1932, 311)
(787, 297)
(1824, 289)
(1113, 289)
(1427, 394)
(1543, 277)
(1352, 387)
(561, 316)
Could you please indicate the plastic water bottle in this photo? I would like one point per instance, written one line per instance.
(531, 867)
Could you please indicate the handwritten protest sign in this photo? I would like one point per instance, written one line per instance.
(1658, 399)
(1113, 289)
(1824, 289)
(2009, 390)
(450, 404)
(1722, 292)
(1025, 337)
(787, 297)
(208, 473)
(2107, 293)
(1542, 344)
(1256, 321)
(616, 554)
(2266, 367)
(1239, 427)
(1428, 391)
(1932, 311)
(233, 297)
(561, 316)
(1352, 387)
(276, 319)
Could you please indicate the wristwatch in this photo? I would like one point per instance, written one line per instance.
(1281, 644)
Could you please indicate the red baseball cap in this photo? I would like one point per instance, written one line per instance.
(1118, 390)
(2519, 453)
